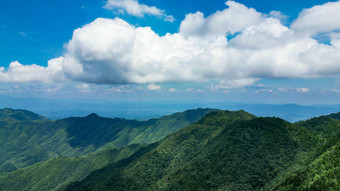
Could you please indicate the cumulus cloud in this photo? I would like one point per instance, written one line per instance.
(153, 87)
(112, 51)
(278, 15)
(133, 7)
(18, 72)
(318, 19)
(231, 20)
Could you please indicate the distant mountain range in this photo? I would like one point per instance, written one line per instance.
(202, 149)
(143, 110)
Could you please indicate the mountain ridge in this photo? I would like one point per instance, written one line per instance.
(20, 115)
(26, 142)
(219, 152)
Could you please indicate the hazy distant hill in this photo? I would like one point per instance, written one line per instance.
(288, 112)
(27, 138)
(231, 151)
(53, 108)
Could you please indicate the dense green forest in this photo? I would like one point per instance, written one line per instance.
(223, 150)
(27, 138)
(56, 173)
(231, 151)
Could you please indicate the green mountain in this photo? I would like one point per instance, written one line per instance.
(27, 138)
(334, 115)
(223, 150)
(321, 174)
(8, 114)
(320, 169)
(230, 151)
(98, 131)
(54, 174)
(24, 143)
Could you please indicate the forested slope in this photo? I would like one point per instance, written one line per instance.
(230, 151)
(27, 138)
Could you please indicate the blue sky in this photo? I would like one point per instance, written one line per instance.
(245, 51)
(35, 31)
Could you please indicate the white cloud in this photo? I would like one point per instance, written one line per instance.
(169, 18)
(302, 90)
(260, 85)
(269, 34)
(189, 89)
(199, 91)
(173, 90)
(153, 87)
(84, 88)
(318, 19)
(121, 89)
(299, 90)
(336, 90)
(229, 84)
(111, 51)
(33, 73)
(233, 19)
(133, 7)
(278, 15)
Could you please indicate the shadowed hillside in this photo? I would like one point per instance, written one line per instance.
(34, 138)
